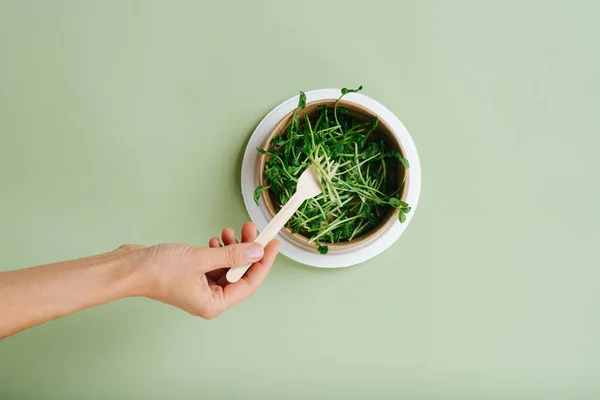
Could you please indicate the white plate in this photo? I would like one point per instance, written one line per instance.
(260, 216)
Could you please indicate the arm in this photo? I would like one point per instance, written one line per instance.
(35, 295)
(187, 277)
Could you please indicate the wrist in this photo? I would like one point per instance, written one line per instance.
(133, 272)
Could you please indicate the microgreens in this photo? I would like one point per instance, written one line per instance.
(357, 197)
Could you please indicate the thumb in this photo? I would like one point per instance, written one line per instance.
(234, 255)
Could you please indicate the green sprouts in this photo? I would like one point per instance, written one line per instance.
(363, 190)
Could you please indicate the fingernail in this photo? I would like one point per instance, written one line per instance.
(255, 252)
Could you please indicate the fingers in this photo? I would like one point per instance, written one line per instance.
(215, 275)
(228, 236)
(214, 243)
(229, 256)
(257, 272)
(248, 232)
(250, 282)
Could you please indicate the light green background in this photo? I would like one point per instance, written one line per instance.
(117, 117)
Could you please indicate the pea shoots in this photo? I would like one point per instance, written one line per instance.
(364, 188)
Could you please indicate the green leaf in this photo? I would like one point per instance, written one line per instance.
(322, 248)
(348, 229)
(346, 90)
(311, 212)
(258, 192)
(374, 124)
(261, 151)
(277, 141)
(367, 210)
(406, 210)
(403, 203)
(289, 183)
(268, 174)
(396, 154)
(401, 217)
(275, 188)
(337, 233)
(371, 150)
(301, 101)
(373, 220)
(315, 223)
(342, 149)
(359, 139)
(307, 147)
(394, 202)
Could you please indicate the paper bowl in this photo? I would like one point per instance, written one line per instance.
(383, 131)
(296, 246)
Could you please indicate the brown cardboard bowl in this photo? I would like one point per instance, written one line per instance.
(383, 130)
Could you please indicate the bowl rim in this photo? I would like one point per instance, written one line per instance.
(385, 224)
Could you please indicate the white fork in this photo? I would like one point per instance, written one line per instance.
(308, 186)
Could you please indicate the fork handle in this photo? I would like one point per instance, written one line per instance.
(271, 230)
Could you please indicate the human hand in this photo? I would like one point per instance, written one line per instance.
(193, 278)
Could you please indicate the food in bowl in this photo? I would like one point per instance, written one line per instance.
(365, 192)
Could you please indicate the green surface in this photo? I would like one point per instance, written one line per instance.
(114, 117)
